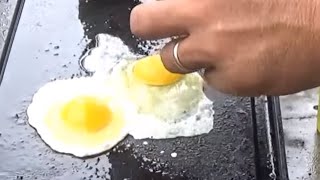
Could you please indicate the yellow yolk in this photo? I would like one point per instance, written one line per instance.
(151, 71)
(86, 113)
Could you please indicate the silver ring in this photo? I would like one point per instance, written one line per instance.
(180, 66)
(177, 60)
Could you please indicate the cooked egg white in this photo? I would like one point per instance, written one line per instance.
(79, 116)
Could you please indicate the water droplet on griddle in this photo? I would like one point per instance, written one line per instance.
(174, 155)
(145, 143)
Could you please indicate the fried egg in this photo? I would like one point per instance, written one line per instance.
(168, 105)
(79, 116)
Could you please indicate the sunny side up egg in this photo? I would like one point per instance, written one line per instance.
(168, 105)
(79, 116)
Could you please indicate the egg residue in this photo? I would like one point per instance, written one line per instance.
(79, 116)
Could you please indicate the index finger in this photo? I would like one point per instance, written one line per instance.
(159, 19)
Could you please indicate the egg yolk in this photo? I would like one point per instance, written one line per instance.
(86, 113)
(151, 71)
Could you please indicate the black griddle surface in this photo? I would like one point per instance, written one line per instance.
(48, 44)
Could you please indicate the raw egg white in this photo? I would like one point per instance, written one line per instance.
(80, 116)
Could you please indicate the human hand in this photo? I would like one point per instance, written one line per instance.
(247, 47)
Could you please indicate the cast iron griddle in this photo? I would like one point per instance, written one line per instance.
(49, 41)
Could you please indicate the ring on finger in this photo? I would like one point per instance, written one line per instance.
(177, 59)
